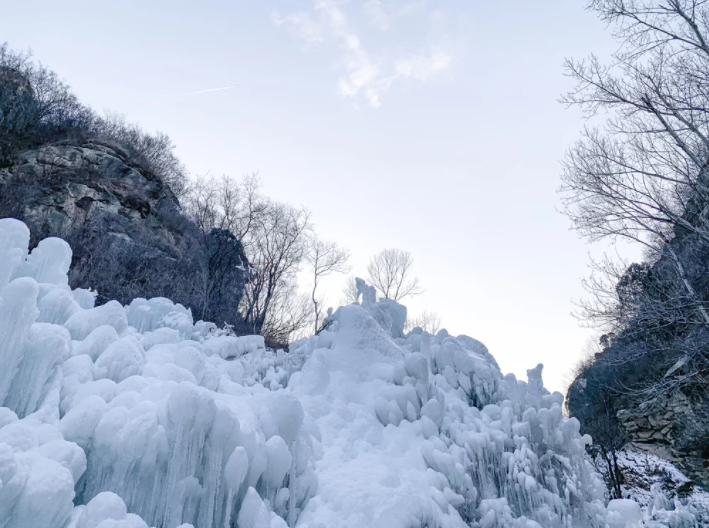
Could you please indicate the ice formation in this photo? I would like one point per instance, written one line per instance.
(129, 417)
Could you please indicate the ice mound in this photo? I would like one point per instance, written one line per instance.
(136, 412)
(136, 416)
(425, 431)
(38, 472)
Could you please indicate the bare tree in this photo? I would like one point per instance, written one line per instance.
(288, 317)
(273, 238)
(350, 293)
(224, 210)
(390, 273)
(226, 203)
(324, 258)
(639, 175)
(591, 394)
(644, 175)
(609, 438)
(428, 321)
(275, 247)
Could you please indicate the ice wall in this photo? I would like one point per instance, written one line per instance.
(128, 417)
(425, 431)
(136, 410)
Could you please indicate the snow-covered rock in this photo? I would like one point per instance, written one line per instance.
(664, 494)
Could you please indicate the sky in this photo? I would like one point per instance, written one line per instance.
(429, 126)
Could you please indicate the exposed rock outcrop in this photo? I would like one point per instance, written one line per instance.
(647, 387)
(672, 426)
(128, 232)
(662, 430)
(68, 187)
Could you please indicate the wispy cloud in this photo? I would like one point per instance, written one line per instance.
(368, 72)
(423, 67)
(211, 90)
(377, 15)
(382, 13)
(301, 25)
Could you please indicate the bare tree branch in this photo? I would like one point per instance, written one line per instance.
(389, 272)
(324, 258)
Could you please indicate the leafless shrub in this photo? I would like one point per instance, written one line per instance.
(427, 321)
(274, 239)
(155, 152)
(390, 273)
(37, 107)
(350, 293)
(324, 258)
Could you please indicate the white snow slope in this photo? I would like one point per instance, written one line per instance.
(109, 410)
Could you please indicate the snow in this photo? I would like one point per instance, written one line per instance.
(15, 237)
(665, 495)
(624, 513)
(38, 472)
(231, 347)
(84, 322)
(136, 416)
(120, 360)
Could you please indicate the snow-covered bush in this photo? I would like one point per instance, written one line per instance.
(136, 416)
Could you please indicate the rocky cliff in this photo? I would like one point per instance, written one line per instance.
(664, 431)
(92, 194)
(106, 186)
(129, 235)
(648, 386)
(68, 187)
(672, 427)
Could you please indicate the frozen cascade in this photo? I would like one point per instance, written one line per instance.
(136, 416)
(126, 417)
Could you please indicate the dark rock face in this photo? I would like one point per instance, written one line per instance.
(68, 187)
(666, 431)
(129, 236)
(648, 386)
(107, 188)
(673, 427)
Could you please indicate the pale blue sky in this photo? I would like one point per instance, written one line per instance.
(429, 126)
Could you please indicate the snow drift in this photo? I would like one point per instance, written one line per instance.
(128, 417)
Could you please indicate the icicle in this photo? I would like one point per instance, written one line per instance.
(291, 484)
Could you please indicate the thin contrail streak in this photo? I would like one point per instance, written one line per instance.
(211, 90)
